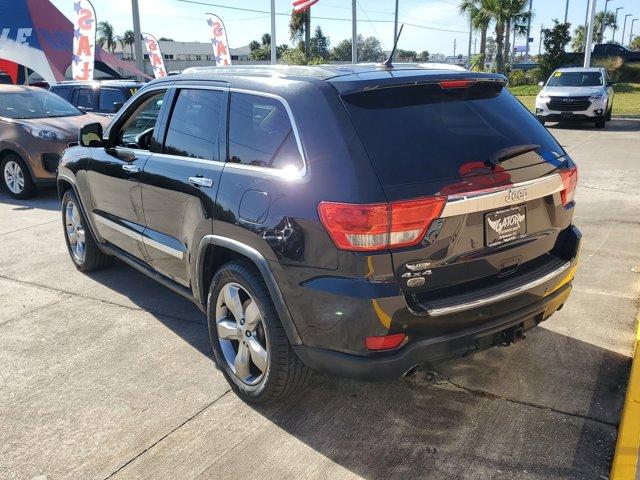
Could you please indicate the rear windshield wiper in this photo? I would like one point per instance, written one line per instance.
(506, 153)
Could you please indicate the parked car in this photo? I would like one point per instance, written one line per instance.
(101, 96)
(356, 220)
(576, 94)
(35, 128)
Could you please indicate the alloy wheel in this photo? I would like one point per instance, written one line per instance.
(14, 177)
(75, 231)
(241, 334)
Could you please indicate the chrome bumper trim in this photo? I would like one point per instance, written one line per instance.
(461, 307)
(503, 196)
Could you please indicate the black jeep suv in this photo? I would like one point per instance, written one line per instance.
(356, 220)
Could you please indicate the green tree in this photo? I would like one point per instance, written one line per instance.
(635, 44)
(480, 19)
(342, 51)
(106, 36)
(265, 39)
(299, 28)
(555, 41)
(320, 45)
(406, 55)
(294, 56)
(502, 13)
(254, 45)
(601, 23)
(128, 39)
(423, 56)
(165, 39)
(368, 49)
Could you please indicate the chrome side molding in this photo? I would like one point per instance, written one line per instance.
(502, 196)
(461, 307)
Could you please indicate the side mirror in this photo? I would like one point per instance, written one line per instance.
(117, 106)
(90, 135)
(541, 84)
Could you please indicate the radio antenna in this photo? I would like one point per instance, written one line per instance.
(388, 63)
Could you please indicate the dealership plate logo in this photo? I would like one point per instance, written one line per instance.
(504, 224)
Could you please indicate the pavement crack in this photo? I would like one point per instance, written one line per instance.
(30, 226)
(166, 435)
(107, 302)
(440, 381)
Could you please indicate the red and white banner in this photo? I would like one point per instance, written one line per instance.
(300, 6)
(219, 40)
(84, 40)
(155, 56)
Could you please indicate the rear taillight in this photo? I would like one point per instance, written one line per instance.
(381, 225)
(387, 342)
(570, 181)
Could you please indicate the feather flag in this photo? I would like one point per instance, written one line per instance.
(219, 40)
(155, 56)
(84, 40)
(300, 6)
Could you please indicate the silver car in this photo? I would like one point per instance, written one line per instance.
(576, 94)
(36, 126)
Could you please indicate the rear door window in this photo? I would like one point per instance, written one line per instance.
(421, 133)
(108, 97)
(195, 124)
(63, 92)
(261, 133)
(83, 97)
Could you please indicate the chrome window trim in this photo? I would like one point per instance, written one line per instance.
(461, 307)
(294, 127)
(493, 199)
(147, 241)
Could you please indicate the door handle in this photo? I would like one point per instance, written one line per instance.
(130, 168)
(201, 181)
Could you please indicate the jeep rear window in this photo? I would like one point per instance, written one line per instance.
(424, 132)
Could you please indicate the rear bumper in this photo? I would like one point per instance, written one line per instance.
(460, 343)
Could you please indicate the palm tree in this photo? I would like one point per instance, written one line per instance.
(299, 26)
(479, 21)
(517, 26)
(128, 39)
(106, 36)
(502, 12)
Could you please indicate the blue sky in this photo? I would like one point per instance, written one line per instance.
(183, 21)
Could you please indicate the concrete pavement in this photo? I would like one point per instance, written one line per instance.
(109, 375)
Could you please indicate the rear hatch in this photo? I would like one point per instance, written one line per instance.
(471, 144)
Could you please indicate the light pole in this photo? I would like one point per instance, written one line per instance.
(604, 18)
(586, 25)
(540, 43)
(469, 48)
(587, 50)
(274, 56)
(631, 31)
(624, 27)
(526, 53)
(137, 36)
(566, 11)
(354, 33)
(615, 24)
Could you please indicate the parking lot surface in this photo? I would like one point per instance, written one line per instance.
(110, 375)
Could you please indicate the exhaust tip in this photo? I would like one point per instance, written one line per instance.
(411, 371)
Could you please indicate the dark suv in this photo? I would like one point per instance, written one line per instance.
(357, 220)
(101, 96)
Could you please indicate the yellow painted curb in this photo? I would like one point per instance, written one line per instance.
(625, 461)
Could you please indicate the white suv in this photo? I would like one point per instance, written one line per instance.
(576, 94)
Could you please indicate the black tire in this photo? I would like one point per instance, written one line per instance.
(600, 122)
(609, 112)
(12, 162)
(93, 258)
(285, 373)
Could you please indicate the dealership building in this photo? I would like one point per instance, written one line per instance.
(181, 55)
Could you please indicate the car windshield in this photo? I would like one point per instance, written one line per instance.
(35, 104)
(575, 79)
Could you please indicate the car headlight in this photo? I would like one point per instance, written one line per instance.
(597, 96)
(45, 134)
